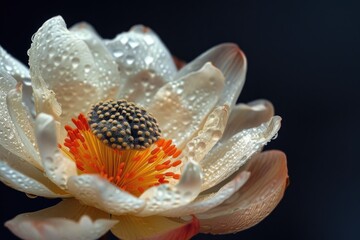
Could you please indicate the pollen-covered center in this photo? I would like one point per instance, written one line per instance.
(123, 125)
(121, 142)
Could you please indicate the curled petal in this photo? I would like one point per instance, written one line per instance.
(208, 135)
(229, 156)
(254, 201)
(164, 197)
(249, 115)
(181, 106)
(207, 201)
(66, 220)
(100, 193)
(232, 63)
(154, 228)
(22, 176)
(58, 168)
(10, 139)
(12, 66)
(23, 123)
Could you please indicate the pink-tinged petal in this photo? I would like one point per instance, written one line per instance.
(232, 63)
(66, 220)
(254, 201)
(96, 191)
(181, 106)
(154, 228)
(244, 116)
(57, 166)
(24, 124)
(9, 138)
(165, 197)
(227, 157)
(207, 200)
(208, 135)
(12, 66)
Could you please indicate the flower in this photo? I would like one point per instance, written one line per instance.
(130, 143)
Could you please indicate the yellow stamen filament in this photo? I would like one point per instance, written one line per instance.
(129, 169)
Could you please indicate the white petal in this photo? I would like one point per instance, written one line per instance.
(229, 156)
(164, 197)
(24, 124)
(9, 138)
(232, 63)
(181, 106)
(249, 115)
(66, 220)
(109, 79)
(254, 201)
(12, 66)
(58, 168)
(205, 202)
(141, 49)
(100, 193)
(20, 175)
(71, 66)
(154, 228)
(208, 135)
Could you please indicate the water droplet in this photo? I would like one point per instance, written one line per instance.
(149, 60)
(133, 44)
(75, 62)
(149, 40)
(275, 136)
(118, 54)
(31, 195)
(87, 68)
(57, 60)
(130, 60)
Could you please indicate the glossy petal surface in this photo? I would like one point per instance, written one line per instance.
(98, 192)
(232, 63)
(254, 201)
(164, 197)
(154, 228)
(66, 221)
(228, 157)
(205, 202)
(22, 176)
(181, 106)
(12, 66)
(57, 166)
(244, 116)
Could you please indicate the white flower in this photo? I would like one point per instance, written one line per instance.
(195, 177)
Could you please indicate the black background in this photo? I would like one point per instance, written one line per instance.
(302, 55)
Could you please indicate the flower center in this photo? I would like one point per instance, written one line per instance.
(121, 142)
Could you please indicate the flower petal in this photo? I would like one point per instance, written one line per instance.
(67, 220)
(140, 49)
(164, 197)
(249, 115)
(108, 74)
(229, 156)
(10, 139)
(254, 201)
(154, 228)
(71, 66)
(58, 168)
(208, 135)
(12, 66)
(20, 175)
(96, 191)
(23, 124)
(232, 63)
(205, 202)
(181, 106)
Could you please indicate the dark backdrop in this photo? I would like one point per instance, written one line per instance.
(303, 56)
